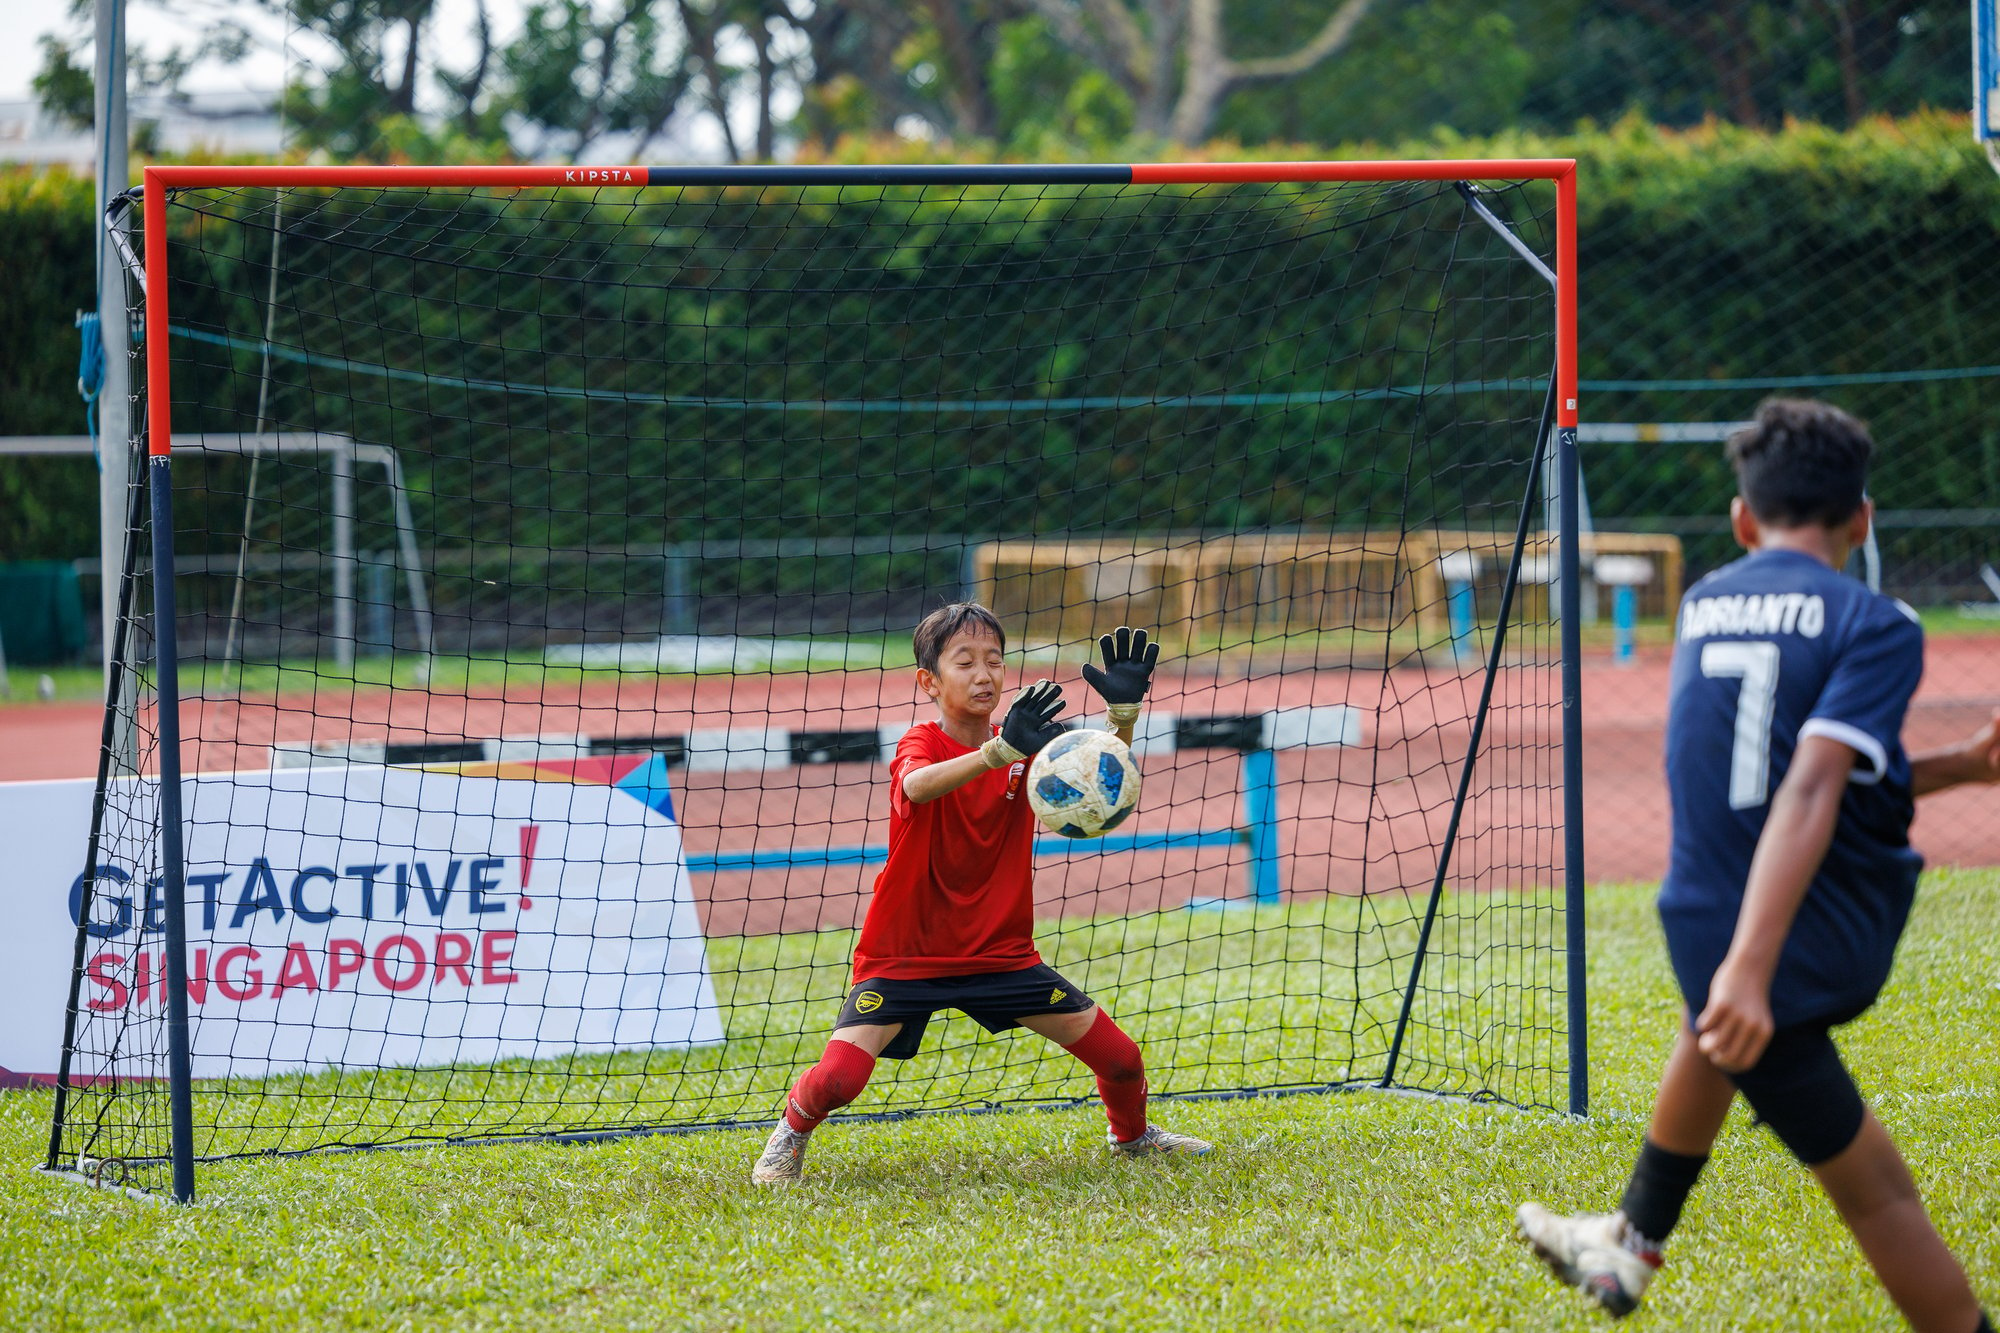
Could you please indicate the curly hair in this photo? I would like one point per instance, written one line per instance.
(1802, 462)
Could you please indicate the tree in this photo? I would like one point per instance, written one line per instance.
(1049, 77)
(871, 65)
(1173, 56)
(365, 78)
(65, 86)
(1009, 70)
(1836, 61)
(348, 100)
(578, 72)
(574, 76)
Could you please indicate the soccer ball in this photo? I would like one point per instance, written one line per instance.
(1083, 783)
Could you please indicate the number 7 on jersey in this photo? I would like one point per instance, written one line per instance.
(1756, 665)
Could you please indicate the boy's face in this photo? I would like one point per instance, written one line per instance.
(968, 676)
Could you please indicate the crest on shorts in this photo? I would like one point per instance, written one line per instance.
(867, 1002)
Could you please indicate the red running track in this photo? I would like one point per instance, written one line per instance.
(1364, 818)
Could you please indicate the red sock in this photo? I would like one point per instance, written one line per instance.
(1121, 1075)
(835, 1081)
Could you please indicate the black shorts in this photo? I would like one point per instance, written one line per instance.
(1802, 1090)
(994, 1000)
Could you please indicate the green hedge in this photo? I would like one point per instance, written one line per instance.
(1721, 253)
(1707, 255)
(48, 506)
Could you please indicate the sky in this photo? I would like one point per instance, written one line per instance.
(157, 25)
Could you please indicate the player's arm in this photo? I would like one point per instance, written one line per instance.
(1737, 1022)
(1974, 759)
(1123, 680)
(1029, 725)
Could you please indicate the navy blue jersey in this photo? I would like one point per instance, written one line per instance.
(1771, 649)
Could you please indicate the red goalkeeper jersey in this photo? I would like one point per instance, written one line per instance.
(957, 896)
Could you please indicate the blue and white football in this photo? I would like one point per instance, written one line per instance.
(1083, 783)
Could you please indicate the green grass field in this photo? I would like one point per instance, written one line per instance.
(1301, 995)
(1355, 1211)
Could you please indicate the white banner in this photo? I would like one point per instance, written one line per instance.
(362, 917)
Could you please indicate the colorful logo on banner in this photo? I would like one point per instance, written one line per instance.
(455, 912)
(469, 903)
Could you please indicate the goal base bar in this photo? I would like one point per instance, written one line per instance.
(587, 1138)
(84, 1181)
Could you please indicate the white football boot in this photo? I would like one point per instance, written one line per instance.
(1593, 1252)
(784, 1159)
(1157, 1140)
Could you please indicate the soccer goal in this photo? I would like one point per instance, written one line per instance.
(577, 848)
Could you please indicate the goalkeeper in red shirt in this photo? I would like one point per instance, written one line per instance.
(951, 925)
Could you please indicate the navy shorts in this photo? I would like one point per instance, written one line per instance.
(996, 1001)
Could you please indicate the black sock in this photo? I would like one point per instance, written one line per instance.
(1661, 1182)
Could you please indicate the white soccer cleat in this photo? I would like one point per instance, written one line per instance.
(1592, 1252)
(1157, 1140)
(784, 1159)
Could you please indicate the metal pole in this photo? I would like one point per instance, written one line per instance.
(679, 612)
(114, 409)
(1871, 560)
(1551, 505)
(406, 545)
(378, 603)
(173, 863)
(1569, 557)
(343, 555)
(1569, 539)
(167, 688)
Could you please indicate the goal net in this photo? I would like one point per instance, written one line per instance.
(518, 609)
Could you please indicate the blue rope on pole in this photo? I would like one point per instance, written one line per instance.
(90, 374)
(1099, 403)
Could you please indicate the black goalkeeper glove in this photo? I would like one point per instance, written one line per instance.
(1128, 670)
(1029, 725)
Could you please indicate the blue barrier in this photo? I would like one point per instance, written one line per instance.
(1461, 611)
(1625, 622)
(1260, 820)
(1259, 832)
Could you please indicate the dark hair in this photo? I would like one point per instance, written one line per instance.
(934, 631)
(1801, 462)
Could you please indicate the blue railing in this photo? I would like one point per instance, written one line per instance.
(1258, 832)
